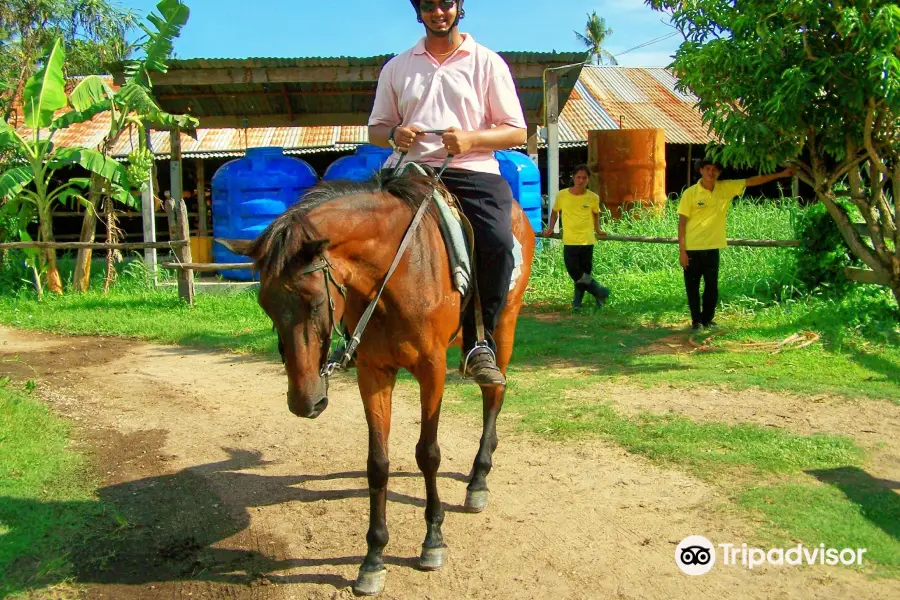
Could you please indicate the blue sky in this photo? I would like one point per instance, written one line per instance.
(291, 28)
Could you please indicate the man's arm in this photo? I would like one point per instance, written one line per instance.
(763, 179)
(379, 134)
(682, 249)
(500, 137)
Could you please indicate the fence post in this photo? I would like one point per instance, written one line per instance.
(182, 228)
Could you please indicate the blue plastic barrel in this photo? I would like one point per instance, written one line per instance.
(249, 193)
(361, 166)
(524, 178)
(522, 175)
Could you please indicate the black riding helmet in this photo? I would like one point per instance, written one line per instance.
(459, 14)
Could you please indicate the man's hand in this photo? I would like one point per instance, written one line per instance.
(683, 259)
(405, 136)
(601, 233)
(457, 141)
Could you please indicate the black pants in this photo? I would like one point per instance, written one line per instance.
(702, 264)
(579, 260)
(487, 201)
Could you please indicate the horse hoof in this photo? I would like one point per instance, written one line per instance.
(432, 559)
(369, 583)
(476, 501)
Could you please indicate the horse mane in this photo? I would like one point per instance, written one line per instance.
(284, 240)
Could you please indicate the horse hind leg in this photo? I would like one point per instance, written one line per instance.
(428, 457)
(376, 387)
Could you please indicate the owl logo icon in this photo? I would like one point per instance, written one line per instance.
(695, 555)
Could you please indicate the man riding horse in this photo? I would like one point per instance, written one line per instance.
(450, 83)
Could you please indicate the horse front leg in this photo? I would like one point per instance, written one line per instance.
(492, 402)
(477, 490)
(376, 387)
(431, 377)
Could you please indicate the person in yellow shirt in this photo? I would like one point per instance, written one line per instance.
(580, 208)
(701, 234)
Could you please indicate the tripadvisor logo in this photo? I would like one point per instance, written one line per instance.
(696, 555)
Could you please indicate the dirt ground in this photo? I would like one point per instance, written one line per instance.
(228, 495)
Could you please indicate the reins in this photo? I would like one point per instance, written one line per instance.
(340, 357)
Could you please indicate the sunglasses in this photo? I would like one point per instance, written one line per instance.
(431, 5)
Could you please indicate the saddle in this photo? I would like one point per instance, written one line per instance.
(455, 228)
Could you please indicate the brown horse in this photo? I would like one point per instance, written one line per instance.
(341, 238)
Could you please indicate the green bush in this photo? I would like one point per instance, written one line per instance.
(823, 253)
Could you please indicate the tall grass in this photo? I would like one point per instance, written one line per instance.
(647, 280)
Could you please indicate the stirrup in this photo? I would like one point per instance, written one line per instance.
(477, 346)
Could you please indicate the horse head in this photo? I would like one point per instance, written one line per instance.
(294, 293)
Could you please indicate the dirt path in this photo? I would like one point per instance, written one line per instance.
(229, 496)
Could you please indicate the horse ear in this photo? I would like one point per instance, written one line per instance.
(241, 247)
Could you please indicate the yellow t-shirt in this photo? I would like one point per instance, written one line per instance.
(706, 211)
(577, 216)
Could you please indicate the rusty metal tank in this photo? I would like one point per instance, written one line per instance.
(628, 168)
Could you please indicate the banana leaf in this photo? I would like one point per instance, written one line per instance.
(173, 15)
(45, 91)
(76, 116)
(93, 161)
(14, 181)
(90, 91)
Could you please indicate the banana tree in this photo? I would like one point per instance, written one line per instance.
(131, 107)
(30, 180)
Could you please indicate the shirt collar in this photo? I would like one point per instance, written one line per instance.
(467, 46)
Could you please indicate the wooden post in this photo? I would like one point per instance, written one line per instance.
(690, 147)
(551, 120)
(201, 197)
(148, 217)
(795, 187)
(533, 142)
(182, 229)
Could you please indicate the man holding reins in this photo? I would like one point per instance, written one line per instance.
(449, 82)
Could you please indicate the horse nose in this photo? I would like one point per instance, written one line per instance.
(306, 408)
(319, 408)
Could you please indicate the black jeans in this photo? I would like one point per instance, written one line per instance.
(702, 264)
(579, 260)
(487, 201)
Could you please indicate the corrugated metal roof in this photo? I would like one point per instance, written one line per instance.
(267, 87)
(636, 97)
(645, 98)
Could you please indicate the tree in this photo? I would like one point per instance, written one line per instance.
(815, 85)
(93, 32)
(594, 36)
(29, 184)
(131, 107)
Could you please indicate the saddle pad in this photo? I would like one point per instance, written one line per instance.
(455, 239)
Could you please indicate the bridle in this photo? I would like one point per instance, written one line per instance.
(326, 365)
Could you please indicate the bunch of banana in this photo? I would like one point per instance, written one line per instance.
(140, 168)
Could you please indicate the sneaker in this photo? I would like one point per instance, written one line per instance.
(695, 326)
(711, 325)
(482, 367)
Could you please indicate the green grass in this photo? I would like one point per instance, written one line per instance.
(639, 339)
(799, 488)
(849, 512)
(47, 508)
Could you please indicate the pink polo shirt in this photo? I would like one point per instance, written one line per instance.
(472, 90)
